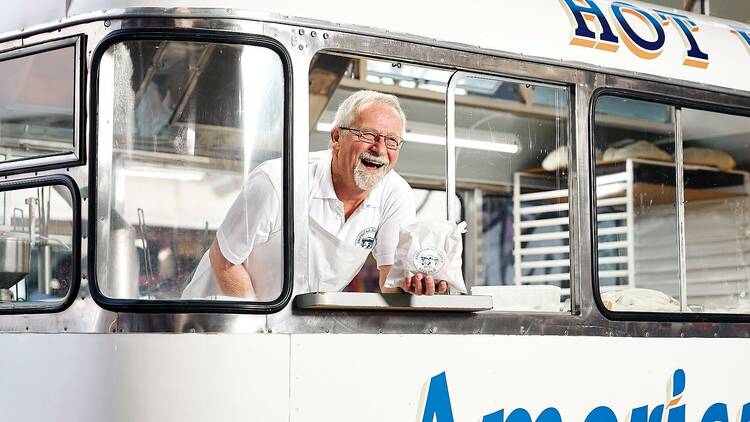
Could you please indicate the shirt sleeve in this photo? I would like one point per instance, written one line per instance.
(398, 210)
(251, 219)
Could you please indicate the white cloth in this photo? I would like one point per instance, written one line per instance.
(251, 232)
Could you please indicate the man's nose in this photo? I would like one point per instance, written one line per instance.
(378, 148)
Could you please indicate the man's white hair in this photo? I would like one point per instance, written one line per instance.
(349, 110)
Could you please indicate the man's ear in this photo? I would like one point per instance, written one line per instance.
(335, 136)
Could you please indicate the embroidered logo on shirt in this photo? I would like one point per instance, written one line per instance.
(366, 238)
(429, 260)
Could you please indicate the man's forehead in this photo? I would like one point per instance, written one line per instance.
(374, 110)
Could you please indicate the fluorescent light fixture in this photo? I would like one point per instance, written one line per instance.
(420, 138)
(163, 173)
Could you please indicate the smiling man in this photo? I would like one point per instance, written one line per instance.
(356, 201)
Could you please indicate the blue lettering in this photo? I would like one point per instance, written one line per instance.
(581, 11)
(549, 414)
(656, 414)
(717, 412)
(640, 46)
(601, 414)
(437, 407)
(676, 413)
(519, 415)
(745, 415)
(639, 414)
(438, 403)
(743, 34)
(695, 57)
(494, 416)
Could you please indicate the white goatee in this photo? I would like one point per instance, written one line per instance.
(366, 179)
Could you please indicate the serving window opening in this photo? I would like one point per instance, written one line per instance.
(505, 169)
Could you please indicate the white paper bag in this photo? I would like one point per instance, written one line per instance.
(431, 248)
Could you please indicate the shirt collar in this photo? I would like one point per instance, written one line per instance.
(324, 188)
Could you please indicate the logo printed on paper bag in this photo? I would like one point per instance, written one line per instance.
(366, 238)
(429, 260)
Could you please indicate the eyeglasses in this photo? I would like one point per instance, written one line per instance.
(369, 137)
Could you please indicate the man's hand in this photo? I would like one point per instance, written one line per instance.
(421, 284)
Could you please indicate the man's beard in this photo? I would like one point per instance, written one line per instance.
(365, 178)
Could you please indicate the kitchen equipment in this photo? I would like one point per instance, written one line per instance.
(14, 260)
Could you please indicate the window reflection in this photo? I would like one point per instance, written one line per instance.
(37, 104)
(182, 127)
(640, 268)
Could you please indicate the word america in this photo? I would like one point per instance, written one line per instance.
(437, 407)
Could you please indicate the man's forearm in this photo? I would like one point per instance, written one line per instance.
(384, 270)
(233, 279)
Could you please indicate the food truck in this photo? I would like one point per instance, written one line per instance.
(598, 151)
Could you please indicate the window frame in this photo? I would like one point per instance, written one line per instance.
(75, 282)
(664, 94)
(192, 305)
(56, 160)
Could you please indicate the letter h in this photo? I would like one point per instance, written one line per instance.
(581, 11)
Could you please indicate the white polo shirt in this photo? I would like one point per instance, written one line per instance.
(254, 221)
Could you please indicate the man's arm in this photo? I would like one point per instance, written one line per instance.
(233, 279)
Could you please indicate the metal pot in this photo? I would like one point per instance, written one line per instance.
(14, 260)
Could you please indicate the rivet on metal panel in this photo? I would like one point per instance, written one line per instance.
(107, 23)
(301, 31)
(325, 35)
(313, 34)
